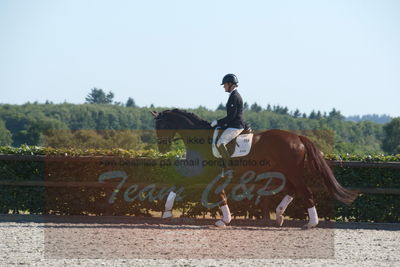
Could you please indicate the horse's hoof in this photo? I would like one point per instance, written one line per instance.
(308, 226)
(220, 223)
(279, 220)
(167, 215)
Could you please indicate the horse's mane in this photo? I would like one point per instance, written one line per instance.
(191, 116)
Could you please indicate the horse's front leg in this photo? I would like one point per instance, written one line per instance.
(169, 204)
(226, 214)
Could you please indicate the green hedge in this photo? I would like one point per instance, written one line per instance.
(86, 166)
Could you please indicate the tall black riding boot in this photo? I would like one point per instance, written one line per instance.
(223, 151)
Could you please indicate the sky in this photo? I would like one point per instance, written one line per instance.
(310, 55)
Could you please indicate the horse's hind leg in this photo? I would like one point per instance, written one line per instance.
(280, 209)
(296, 183)
(312, 212)
(226, 214)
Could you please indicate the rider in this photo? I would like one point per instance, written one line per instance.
(233, 123)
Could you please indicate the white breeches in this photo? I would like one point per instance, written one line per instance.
(228, 135)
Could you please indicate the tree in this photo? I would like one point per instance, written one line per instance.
(98, 96)
(335, 114)
(245, 106)
(296, 113)
(391, 141)
(39, 128)
(130, 103)
(201, 108)
(313, 115)
(221, 107)
(5, 135)
(280, 110)
(255, 107)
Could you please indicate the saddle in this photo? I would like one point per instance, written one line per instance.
(238, 147)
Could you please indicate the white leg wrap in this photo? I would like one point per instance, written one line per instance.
(226, 214)
(312, 213)
(169, 204)
(281, 209)
(313, 218)
(283, 205)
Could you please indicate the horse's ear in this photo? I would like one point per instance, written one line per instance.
(154, 113)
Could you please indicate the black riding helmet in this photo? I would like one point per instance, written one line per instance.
(230, 78)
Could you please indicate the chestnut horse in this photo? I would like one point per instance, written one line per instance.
(285, 152)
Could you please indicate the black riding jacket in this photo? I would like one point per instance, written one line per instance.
(234, 110)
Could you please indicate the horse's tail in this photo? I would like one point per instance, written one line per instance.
(317, 163)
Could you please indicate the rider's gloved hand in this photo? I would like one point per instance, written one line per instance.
(214, 123)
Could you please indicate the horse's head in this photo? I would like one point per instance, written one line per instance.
(165, 130)
(169, 122)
